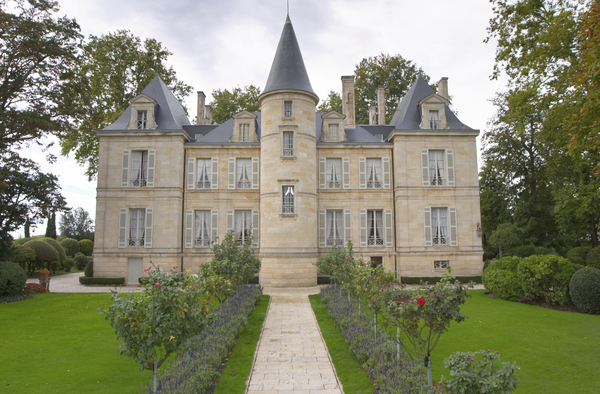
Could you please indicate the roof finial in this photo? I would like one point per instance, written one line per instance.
(288, 7)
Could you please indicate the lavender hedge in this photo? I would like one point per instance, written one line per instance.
(378, 356)
(196, 368)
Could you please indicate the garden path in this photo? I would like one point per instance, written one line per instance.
(292, 357)
(69, 283)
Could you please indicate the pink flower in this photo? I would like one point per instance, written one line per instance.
(146, 269)
(421, 301)
(157, 285)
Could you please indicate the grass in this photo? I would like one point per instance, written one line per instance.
(236, 372)
(352, 377)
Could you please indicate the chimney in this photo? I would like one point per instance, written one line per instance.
(200, 109)
(348, 100)
(442, 87)
(372, 114)
(381, 104)
(208, 114)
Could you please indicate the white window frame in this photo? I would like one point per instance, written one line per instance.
(245, 227)
(202, 238)
(440, 232)
(204, 173)
(334, 173)
(447, 177)
(243, 173)
(441, 265)
(142, 119)
(434, 119)
(288, 109)
(143, 228)
(233, 177)
(244, 132)
(375, 228)
(374, 178)
(145, 176)
(333, 132)
(288, 200)
(335, 227)
(141, 158)
(323, 227)
(288, 143)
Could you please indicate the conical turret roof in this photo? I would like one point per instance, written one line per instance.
(288, 71)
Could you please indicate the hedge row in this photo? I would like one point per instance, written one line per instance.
(84, 280)
(415, 280)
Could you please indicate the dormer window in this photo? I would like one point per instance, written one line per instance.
(143, 116)
(142, 120)
(333, 135)
(434, 119)
(379, 137)
(244, 132)
(287, 109)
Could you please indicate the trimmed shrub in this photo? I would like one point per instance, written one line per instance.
(84, 280)
(24, 256)
(577, 267)
(545, 278)
(489, 254)
(86, 246)
(12, 280)
(44, 253)
(68, 264)
(70, 245)
(54, 243)
(526, 250)
(89, 269)
(540, 250)
(585, 290)
(80, 261)
(593, 258)
(501, 278)
(54, 266)
(578, 254)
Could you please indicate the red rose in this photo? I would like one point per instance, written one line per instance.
(421, 301)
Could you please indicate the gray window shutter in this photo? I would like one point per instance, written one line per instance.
(363, 228)
(214, 224)
(125, 168)
(255, 183)
(388, 221)
(427, 224)
(362, 174)
(151, 168)
(347, 226)
(255, 229)
(229, 222)
(346, 172)
(453, 227)
(322, 179)
(191, 174)
(231, 173)
(425, 166)
(189, 228)
(386, 172)
(123, 228)
(214, 182)
(322, 228)
(148, 233)
(450, 166)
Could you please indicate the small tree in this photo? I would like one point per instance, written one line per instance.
(237, 262)
(44, 253)
(70, 245)
(25, 257)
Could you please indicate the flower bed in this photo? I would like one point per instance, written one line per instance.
(33, 288)
(196, 367)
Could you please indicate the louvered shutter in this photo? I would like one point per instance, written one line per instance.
(363, 228)
(191, 173)
(255, 167)
(214, 182)
(453, 227)
(214, 224)
(362, 173)
(148, 233)
(425, 166)
(322, 228)
(322, 178)
(346, 172)
(427, 224)
(388, 222)
(229, 222)
(151, 168)
(231, 173)
(189, 228)
(347, 226)
(386, 172)
(125, 168)
(255, 229)
(450, 166)
(123, 228)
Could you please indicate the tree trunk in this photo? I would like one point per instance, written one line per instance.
(593, 231)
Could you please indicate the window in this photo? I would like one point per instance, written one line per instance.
(244, 173)
(439, 226)
(335, 228)
(334, 173)
(287, 109)
(379, 137)
(137, 227)
(288, 144)
(139, 168)
(373, 173)
(198, 136)
(204, 173)
(142, 119)
(436, 168)
(244, 132)
(376, 261)
(434, 119)
(441, 264)
(288, 199)
(374, 228)
(332, 135)
(243, 226)
(202, 228)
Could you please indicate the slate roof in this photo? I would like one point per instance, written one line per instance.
(408, 113)
(288, 70)
(221, 134)
(168, 112)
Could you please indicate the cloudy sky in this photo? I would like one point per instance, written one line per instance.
(226, 43)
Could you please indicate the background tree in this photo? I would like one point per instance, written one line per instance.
(51, 226)
(77, 224)
(112, 69)
(226, 103)
(333, 102)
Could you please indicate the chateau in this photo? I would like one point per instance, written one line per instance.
(296, 180)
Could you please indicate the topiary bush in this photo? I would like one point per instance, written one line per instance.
(543, 251)
(89, 269)
(525, 250)
(500, 277)
(80, 261)
(86, 247)
(545, 278)
(593, 258)
(71, 246)
(44, 254)
(68, 264)
(12, 281)
(24, 256)
(56, 245)
(584, 290)
(578, 254)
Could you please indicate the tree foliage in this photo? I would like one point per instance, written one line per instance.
(227, 103)
(333, 102)
(77, 224)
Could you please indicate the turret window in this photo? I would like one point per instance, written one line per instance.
(288, 144)
(287, 109)
(288, 199)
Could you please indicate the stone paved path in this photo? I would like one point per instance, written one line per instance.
(292, 357)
